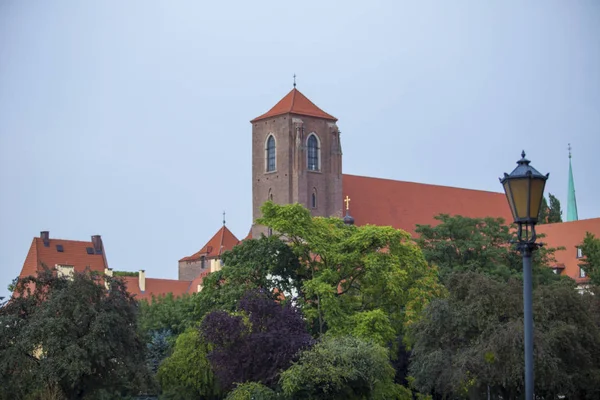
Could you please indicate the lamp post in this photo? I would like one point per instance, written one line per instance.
(524, 189)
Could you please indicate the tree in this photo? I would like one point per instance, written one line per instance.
(263, 263)
(368, 281)
(590, 247)
(550, 214)
(472, 341)
(460, 244)
(343, 368)
(554, 212)
(158, 347)
(168, 312)
(187, 373)
(70, 336)
(251, 391)
(256, 344)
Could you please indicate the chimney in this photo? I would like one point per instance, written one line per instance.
(142, 280)
(45, 235)
(97, 243)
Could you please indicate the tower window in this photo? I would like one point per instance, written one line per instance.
(270, 153)
(313, 199)
(270, 196)
(314, 150)
(579, 252)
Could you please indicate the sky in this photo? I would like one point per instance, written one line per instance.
(131, 119)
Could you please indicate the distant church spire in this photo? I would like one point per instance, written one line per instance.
(571, 201)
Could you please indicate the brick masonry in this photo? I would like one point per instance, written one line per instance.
(292, 182)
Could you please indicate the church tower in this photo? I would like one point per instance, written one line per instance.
(296, 158)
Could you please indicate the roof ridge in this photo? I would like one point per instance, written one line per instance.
(423, 184)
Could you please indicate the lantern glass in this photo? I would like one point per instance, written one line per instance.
(536, 193)
(519, 189)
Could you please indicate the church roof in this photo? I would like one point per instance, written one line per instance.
(403, 204)
(568, 235)
(222, 241)
(74, 253)
(295, 103)
(155, 287)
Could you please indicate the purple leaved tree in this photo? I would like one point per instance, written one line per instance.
(258, 348)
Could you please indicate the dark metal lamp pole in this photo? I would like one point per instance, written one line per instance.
(524, 189)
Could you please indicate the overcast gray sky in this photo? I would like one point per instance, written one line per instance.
(131, 119)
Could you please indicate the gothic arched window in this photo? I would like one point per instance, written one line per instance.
(270, 153)
(313, 199)
(314, 150)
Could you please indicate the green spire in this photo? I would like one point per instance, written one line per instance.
(571, 201)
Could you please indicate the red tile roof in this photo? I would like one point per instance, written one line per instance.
(156, 287)
(569, 235)
(198, 281)
(295, 103)
(222, 241)
(74, 254)
(405, 204)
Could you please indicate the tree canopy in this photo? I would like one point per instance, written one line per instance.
(256, 344)
(368, 281)
(552, 213)
(590, 247)
(472, 341)
(71, 337)
(461, 244)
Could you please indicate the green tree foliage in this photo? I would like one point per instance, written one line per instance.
(168, 312)
(264, 263)
(343, 368)
(590, 248)
(368, 281)
(474, 339)
(71, 337)
(252, 391)
(550, 214)
(460, 244)
(187, 374)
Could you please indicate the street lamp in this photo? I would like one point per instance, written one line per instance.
(524, 189)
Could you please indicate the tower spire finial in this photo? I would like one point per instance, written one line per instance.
(571, 199)
(223, 218)
(294, 79)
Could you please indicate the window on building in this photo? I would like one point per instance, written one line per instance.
(579, 252)
(581, 273)
(202, 262)
(313, 153)
(313, 199)
(270, 153)
(270, 195)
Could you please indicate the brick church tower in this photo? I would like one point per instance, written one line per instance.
(296, 158)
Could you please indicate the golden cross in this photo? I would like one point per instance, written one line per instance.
(347, 201)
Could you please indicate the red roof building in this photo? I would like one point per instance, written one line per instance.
(209, 256)
(64, 255)
(569, 235)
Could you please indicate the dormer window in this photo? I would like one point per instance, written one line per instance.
(314, 153)
(270, 154)
(579, 252)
